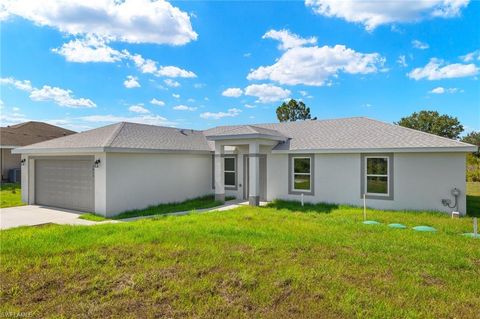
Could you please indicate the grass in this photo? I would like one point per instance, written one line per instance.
(10, 195)
(281, 261)
(473, 199)
(188, 205)
(92, 217)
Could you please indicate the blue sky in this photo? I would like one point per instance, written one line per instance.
(85, 64)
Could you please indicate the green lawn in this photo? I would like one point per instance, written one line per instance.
(282, 261)
(92, 217)
(10, 195)
(188, 205)
(473, 199)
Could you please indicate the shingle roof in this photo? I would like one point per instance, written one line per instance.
(242, 130)
(357, 133)
(129, 136)
(30, 132)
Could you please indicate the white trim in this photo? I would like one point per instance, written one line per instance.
(305, 174)
(366, 175)
(457, 149)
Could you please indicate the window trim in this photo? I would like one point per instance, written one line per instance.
(235, 171)
(389, 175)
(291, 175)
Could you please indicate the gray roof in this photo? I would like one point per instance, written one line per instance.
(338, 135)
(129, 136)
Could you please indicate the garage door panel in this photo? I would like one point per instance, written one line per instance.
(65, 183)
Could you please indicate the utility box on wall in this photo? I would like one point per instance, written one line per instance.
(14, 175)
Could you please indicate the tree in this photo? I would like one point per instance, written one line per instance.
(293, 111)
(434, 123)
(473, 138)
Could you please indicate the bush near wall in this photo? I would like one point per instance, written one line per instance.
(473, 168)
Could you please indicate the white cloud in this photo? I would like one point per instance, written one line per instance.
(24, 85)
(174, 72)
(267, 93)
(132, 21)
(232, 92)
(402, 61)
(60, 96)
(219, 115)
(151, 67)
(171, 83)
(157, 102)
(475, 55)
(175, 95)
(437, 69)
(250, 106)
(138, 109)
(89, 49)
(442, 90)
(375, 13)
(131, 82)
(143, 119)
(417, 44)
(184, 108)
(288, 39)
(57, 95)
(199, 85)
(315, 65)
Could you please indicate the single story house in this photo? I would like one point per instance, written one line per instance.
(23, 134)
(128, 166)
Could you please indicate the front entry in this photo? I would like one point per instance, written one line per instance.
(263, 177)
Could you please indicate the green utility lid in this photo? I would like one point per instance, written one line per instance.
(371, 222)
(424, 228)
(395, 225)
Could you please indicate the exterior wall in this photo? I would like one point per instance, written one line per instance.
(421, 180)
(28, 178)
(136, 181)
(9, 161)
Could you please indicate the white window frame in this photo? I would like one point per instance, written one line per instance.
(309, 173)
(377, 175)
(234, 170)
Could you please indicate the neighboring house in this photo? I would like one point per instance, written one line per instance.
(23, 134)
(128, 166)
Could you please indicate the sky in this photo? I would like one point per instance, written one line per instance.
(83, 64)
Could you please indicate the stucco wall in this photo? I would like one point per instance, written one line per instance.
(421, 180)
(136, 181)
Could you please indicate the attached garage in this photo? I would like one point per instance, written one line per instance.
(65, 182)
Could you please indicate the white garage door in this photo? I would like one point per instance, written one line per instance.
(65, 183)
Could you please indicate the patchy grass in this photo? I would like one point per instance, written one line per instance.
(473, 199)
(92, 217)
(188, 205)
(281, 261)
(10, 195)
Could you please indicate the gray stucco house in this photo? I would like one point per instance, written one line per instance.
(127, 166)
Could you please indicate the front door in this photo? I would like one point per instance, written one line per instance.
(263, 177)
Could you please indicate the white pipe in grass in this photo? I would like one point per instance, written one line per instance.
(475, 227)
(302, 199)
(364, 208)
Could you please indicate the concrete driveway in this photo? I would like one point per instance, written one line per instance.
(31, 215)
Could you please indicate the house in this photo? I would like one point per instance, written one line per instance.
(127, 166)
(22, 134)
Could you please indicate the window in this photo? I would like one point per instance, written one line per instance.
(377, 175)
(301, 174)
(230, 171)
